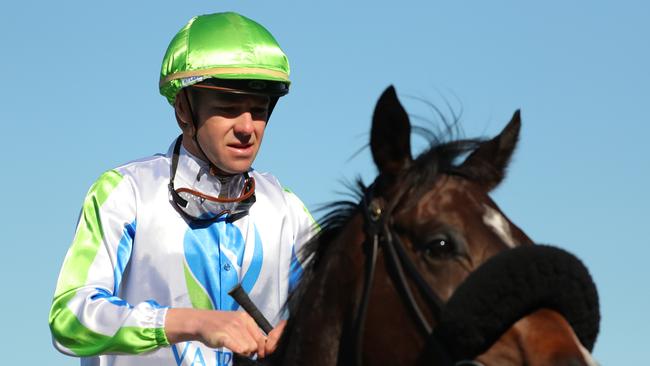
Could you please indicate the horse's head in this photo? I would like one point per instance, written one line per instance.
(436, 209)
(442, 211)
(383, 270)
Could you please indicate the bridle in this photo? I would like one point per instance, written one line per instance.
(378, 231)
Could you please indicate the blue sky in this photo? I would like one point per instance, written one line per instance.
(80, 97)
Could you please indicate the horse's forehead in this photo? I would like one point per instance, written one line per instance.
(459, 198)
(452, 193)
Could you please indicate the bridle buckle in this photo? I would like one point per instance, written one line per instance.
(374, 210)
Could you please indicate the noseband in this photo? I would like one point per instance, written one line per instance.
(378, 232)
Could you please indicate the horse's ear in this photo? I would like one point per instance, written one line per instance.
(487, 164)
(390, 137)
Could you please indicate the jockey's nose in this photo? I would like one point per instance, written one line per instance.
(244, 128)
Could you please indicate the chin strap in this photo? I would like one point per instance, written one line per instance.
(195, 124)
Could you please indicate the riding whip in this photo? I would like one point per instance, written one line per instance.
(240, 295)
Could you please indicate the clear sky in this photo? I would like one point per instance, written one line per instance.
(80, 96)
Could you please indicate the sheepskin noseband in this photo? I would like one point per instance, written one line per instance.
(511, 285)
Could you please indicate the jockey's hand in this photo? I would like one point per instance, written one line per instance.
(273, 338)
(234, 330)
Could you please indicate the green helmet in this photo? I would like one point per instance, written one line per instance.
(228, 48)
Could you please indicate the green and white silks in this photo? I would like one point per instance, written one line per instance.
(134, 256)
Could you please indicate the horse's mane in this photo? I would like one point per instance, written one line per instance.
(442, 156)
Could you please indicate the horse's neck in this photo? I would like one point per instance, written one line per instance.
(320, 319)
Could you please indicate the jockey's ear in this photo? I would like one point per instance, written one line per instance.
(183, 112)
(487, 165)
(390, 137)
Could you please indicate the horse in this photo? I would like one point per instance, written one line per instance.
(422, 267)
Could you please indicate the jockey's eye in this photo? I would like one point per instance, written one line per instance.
(440, 247)
(259, 112)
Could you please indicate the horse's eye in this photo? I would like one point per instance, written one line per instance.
(440, 248)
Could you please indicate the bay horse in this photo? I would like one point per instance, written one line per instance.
(387, 280)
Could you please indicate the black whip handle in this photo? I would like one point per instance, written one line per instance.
(240, 295)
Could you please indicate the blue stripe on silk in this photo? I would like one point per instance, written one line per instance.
(205, 257)
(123, 254)
(103, 294)
(155, 305)
(295, 272)
(253, 272)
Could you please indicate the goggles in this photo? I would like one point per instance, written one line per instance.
(254, 87)
(201, 208)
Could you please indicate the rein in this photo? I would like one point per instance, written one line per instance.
(379, 233)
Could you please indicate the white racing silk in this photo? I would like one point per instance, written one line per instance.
(134, 256)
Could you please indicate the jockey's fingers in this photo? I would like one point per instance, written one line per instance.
(274, 337)
(236, 337)
(261, 352)
(241, 343)
(246, 333)
(257, 335)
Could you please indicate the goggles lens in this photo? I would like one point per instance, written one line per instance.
(200, 206)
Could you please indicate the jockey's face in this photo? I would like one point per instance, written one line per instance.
(230, 127)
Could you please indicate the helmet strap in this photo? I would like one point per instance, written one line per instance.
(272, 102)
(214, 170)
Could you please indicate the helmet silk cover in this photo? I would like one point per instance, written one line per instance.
(224, 46)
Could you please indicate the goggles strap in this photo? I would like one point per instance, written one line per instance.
(175, 196)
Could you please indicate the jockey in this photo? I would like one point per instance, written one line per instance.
(161, 240)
